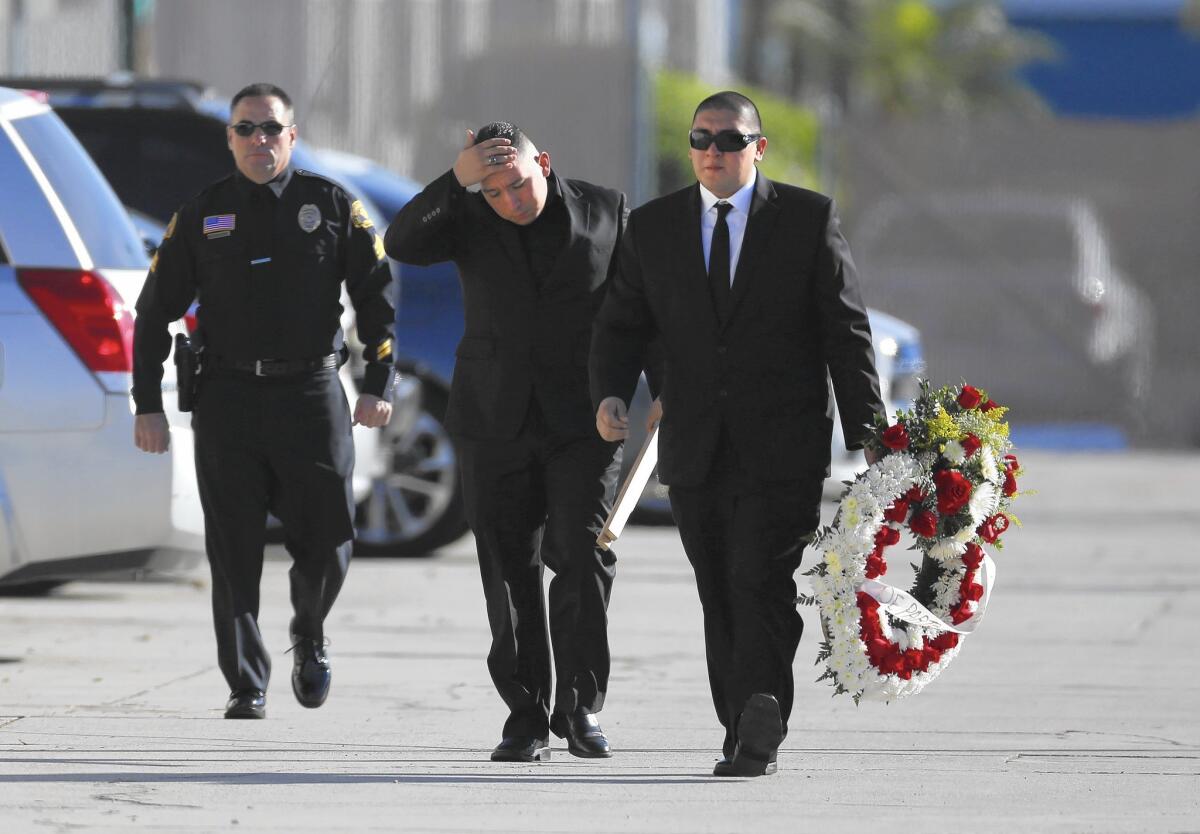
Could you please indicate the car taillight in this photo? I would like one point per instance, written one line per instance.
(88, 312)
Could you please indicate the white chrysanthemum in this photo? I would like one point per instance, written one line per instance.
(946, 549)
(833, 563)
(983, 503)
(955, 453)
(987, 463)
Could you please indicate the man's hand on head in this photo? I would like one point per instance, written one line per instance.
(477, 162)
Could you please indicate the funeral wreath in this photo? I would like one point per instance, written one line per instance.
(948, 476)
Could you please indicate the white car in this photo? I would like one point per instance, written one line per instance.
(77, 499)
(1018, 293)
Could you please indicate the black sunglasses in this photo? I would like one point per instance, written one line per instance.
(728, 141)
(271, 128)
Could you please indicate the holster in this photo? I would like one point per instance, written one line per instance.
(187, 372)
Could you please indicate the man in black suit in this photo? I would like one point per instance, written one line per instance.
(750, 288)
(534, 252)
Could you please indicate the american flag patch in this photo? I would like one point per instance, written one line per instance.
(219, 223)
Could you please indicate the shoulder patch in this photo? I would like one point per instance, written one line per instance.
(359, 216)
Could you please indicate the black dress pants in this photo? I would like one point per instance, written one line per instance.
(742, 538)
(281, 446)
(536, 501)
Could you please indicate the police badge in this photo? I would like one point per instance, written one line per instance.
(309, 217)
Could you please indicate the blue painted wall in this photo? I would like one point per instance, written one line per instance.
(1118, 58)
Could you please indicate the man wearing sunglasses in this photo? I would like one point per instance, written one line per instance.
(265, 252)
(535, 251)
(749, 285)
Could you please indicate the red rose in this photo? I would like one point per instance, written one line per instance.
(914, 495)
(971, 444)
(897, 512)
(989, 405)
(887, 536)
(895, 437)
(932, 655)
(973, 558)
(960, 613)
(1011, 464)
(993, 528)
(972, 591)
(970, 397)
(953, 491)
(924, 524)
(1010, 484)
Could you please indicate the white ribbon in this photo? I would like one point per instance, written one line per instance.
(904, 606)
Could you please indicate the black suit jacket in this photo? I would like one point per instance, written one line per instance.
(796, 321)
(520, 340)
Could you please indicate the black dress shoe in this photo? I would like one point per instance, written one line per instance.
(311, 674)
(724, 767)
(521, 749)
(759, 734)
(583, 734)
(246, 703)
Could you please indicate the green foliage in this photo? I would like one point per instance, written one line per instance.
(914, 57)
(792, 132)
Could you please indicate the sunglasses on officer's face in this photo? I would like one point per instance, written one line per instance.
(728, 141)
(269, 128)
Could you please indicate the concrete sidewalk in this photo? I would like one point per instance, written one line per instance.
(1073, 709)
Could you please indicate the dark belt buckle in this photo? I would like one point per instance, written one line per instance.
(258, 367)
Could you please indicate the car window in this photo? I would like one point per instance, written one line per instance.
(971, 237)
(99, 217)
(156, 160)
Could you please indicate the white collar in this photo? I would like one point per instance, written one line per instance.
(740, 199)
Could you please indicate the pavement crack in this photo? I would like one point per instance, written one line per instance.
(116, 701)
(129, 800)
(1170, 742)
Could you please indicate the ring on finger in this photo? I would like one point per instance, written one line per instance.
(491, 160)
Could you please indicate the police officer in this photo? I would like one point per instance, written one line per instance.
(265, 251)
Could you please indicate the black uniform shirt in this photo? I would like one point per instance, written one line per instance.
(267, 273)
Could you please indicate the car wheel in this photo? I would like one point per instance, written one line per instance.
(417, 506)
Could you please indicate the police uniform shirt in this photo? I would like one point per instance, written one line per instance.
(266, 263)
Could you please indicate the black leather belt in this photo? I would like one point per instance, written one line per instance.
(276, 367)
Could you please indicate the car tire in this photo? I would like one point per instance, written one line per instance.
(417, 506)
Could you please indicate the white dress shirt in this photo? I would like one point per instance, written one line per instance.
(735, 219)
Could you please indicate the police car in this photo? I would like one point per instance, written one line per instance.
(77, 499)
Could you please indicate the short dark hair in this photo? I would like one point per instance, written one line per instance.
(745, 109)
(509, 131)
(260, 89)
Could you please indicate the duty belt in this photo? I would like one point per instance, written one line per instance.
(276, 367)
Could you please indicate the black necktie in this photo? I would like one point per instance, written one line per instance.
(718, 261)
